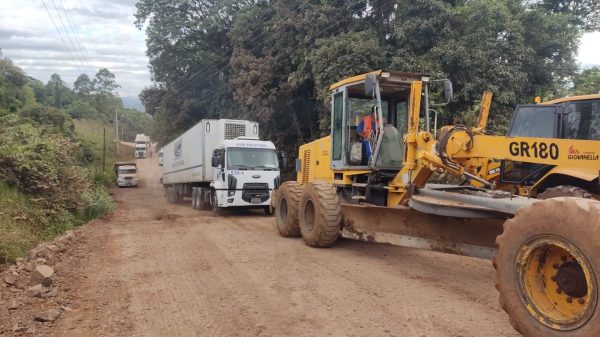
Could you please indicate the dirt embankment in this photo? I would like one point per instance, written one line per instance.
(155, 269)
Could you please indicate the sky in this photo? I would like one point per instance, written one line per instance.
(102, 34)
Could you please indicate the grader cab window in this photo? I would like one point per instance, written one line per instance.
(583, 121)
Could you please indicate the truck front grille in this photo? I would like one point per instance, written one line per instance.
(255, 190)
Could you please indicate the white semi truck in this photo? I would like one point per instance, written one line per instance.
(142, 145)
(221, 164)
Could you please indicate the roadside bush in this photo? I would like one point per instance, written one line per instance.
(44, 167)
(97, 203)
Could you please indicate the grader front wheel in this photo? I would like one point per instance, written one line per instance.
(548, 268)
(286, 209)
(320, 215)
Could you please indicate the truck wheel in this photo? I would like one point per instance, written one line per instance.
(194, 198)
(169, 194)
(218, 211)
(564, 191)
(286, 209)
(320, 215)
(200, 196)
(268, 210)
(548, 268)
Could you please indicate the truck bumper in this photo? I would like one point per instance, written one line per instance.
(235, 198)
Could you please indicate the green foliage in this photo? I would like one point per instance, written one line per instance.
(582, 13)
(43, 167)
(56, 92)
(587, 82)
(105, 84)
(272, 61)
(97, 203)
(52, 119)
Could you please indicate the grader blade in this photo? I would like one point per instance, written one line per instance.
(406, 227)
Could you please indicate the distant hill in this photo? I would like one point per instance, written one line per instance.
(584, 66)
(132, 102)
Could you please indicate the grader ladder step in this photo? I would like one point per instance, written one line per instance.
(359, 197)
(359, 185)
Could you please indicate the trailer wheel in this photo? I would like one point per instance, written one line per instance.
(320, 215)
(194, 198)
(169, 194)
(286, 209)
(548, 268)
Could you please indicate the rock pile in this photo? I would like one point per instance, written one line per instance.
(28, 287)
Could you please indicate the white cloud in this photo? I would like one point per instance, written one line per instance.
(104, 27)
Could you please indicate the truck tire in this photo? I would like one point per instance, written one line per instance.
(201, 195)
(218, 211)
(565, 191)
(320, 215)
(268, 210)
(169, 193)
(548, 268)
(287, 201)
(194, 198)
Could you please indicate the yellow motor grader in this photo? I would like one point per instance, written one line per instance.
(375, 188)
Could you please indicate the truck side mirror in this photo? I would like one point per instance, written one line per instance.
(448, 91)
(370, 85)
(215, 161)
(283, 160)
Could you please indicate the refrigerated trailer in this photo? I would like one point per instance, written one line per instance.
(221, 164)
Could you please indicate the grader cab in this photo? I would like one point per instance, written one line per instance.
(369, 182)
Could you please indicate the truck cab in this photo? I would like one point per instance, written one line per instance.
(126, 174)
(245, 172)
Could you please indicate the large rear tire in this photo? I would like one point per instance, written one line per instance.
(320, 215)
(565, 191)
(548, 268)
(286, 209)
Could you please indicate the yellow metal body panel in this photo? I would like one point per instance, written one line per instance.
(572, 99)
(574, 153)
(353, 79)
(315, 161)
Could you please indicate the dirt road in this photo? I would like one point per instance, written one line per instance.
(155, 269)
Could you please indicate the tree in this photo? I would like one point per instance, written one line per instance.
(583, 13)
(83, 86)
(587, 82)
(57, 92)
(105, 84)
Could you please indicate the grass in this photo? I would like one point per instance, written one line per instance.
(91, 132)
(23, 224)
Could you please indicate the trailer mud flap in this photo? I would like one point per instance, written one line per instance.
(405, 227)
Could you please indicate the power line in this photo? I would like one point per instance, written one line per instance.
(76, 35)
(68, 34)
(61, 37)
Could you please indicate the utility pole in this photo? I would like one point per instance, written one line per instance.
(117, 130)
(103, 150)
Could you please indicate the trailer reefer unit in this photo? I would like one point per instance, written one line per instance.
(221, 163)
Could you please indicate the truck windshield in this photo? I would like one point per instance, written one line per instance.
(583, 121)
(252, 159)
(534, 121)
(127, 171)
